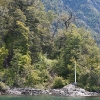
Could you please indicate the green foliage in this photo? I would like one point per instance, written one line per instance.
(32, 56)
(3, 87)
(19, 15)
(44, 62)
(87, 13)
(59, 82)
(39, 24)
(79, 46)
(3, 55)
(33, 78)
(70, 53)
(21, 66)
(45, 67)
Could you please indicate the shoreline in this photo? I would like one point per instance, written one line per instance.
(68, 91)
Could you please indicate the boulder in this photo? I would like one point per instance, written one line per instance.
(69, 87)
(77, 91)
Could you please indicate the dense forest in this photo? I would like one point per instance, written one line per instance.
(86, 12)
(38, 48)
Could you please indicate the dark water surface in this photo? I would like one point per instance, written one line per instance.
(46, 98)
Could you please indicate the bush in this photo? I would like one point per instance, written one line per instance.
(3, 87)
(59, 82)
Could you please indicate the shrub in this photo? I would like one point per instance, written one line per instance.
(59, 82)
(3, 87)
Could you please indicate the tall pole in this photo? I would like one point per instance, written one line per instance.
(75, 73)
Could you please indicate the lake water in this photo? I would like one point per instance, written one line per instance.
(46, 98)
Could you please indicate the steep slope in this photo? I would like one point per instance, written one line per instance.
(87, 13)
(87, 10)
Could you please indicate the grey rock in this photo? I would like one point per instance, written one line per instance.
(68, 90)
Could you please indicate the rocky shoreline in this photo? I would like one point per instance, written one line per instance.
(68, 90)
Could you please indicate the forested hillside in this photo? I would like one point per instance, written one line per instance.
(86, 13)
(32, 55)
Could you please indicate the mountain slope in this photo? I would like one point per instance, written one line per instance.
(87, 13)
(87, 10)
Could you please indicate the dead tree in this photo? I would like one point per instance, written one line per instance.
(66, 20)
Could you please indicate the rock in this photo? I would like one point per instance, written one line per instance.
(68, 90)
(70, 87)
(80, 90)
(45, 92)
(13, 91)
(77, 91)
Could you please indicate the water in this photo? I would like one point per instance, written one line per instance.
(46, 98)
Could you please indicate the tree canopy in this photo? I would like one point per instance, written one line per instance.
(31, 56)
